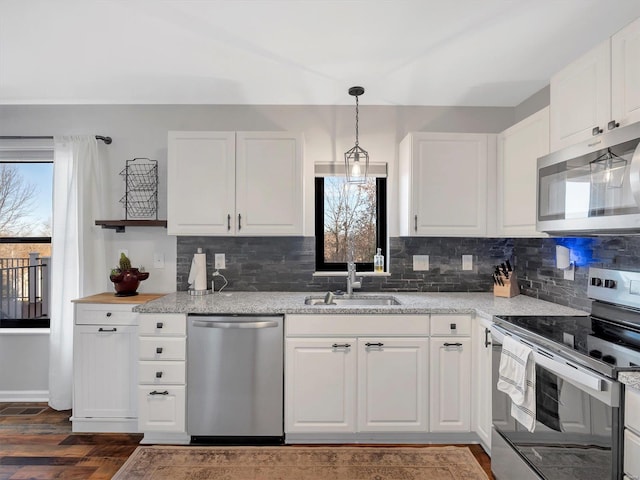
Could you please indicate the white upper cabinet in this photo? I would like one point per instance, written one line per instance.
(443, 184)
(518, 150)
(598, 91)
(200, 183)
(228, 183)
(625, 74)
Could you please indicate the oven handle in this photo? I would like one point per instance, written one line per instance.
(564, 369)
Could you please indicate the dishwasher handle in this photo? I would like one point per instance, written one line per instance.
(235, 324)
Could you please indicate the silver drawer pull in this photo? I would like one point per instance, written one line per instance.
(457, 344)
(107, 329)
(159, 393)
(341, 345)
(368, 344)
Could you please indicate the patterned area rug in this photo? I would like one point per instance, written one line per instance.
(301, 463)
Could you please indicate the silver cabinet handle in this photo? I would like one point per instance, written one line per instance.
(415, 222)
(240, 324)
(341, 345)
(596, 131)
(368, 344)
(239, 222)
(108, 314)
(158, 374)
(228, 222)
(159, 350)
(107, 329)
(457, 344)
(159, 393)
(487, 334)
(159, 325)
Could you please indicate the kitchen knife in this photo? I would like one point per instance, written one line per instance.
(504, 270)
(495, 280)
(508, 265)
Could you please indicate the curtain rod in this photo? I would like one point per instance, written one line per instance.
(106, 140)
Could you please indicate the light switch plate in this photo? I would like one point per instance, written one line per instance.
(467, 262)
(420, 263)
(158, 260)
(219, 261)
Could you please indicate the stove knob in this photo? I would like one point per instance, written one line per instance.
(595, 354)
(609, 359)
(609, 284)
(596, 282)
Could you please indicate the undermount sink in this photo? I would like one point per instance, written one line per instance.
(358, 301)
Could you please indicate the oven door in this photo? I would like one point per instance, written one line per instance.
(577, 433)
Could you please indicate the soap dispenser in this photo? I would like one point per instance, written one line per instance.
(378, 261)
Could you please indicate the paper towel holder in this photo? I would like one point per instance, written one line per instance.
(191, 290)
(563, 262)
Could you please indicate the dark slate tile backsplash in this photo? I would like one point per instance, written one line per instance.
(287, 264)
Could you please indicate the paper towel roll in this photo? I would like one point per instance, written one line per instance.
(198, 273)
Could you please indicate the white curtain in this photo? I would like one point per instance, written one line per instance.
(78, 259)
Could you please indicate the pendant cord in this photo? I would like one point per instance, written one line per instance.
(356, 120)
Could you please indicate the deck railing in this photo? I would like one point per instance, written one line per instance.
(24, 287)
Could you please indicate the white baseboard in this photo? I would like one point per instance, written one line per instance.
(36, 396)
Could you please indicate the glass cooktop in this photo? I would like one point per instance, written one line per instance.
(600, 340)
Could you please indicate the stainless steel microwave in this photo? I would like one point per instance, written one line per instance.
(592, 187)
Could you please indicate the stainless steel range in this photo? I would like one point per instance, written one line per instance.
(578, 401)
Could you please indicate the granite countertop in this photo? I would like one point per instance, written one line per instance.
(630, 379)
(485, 304)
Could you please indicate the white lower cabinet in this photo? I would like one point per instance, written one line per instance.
(162, 378)
(450, 373)
(320, 378)
(481, 380)
(392, 384)
(632, 433)
(104, 384)
(450, 384)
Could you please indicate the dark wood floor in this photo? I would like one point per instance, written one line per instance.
(43, 447)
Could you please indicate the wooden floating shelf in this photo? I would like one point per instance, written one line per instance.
(120, 225)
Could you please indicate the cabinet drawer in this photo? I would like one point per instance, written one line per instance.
(631, 454)
(160, 348)
(163, 324)
(632, 409)
(104, 314)
(451, 325)
(159, 372)
(161, 408)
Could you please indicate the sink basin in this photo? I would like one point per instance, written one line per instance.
(356, 301)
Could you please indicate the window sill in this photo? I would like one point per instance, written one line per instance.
(24, 331)
(358, 274)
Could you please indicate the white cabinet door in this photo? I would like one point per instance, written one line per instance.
(320, 385)
(518, 150)
(581, 97)
(104, 371)
(450, 384)
(201, 183)
(481, 379)
(162, 408)
(392, 384)
(443, 184)
(269, 184)
(625, 74)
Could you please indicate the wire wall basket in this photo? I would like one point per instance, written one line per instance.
(140, 199)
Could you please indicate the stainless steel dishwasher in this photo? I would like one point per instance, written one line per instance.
(235, 379)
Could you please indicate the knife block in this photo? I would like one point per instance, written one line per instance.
(510, 287)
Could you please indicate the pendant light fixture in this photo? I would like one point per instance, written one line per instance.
(356, 160)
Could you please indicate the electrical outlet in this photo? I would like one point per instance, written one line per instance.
(420, 263)
(219, 261)
(467, 262)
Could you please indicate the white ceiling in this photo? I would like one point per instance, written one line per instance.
(404, 52)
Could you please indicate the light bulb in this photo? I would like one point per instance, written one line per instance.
(355, 169)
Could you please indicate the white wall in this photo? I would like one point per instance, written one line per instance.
(24, 360)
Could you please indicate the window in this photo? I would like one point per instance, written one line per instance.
(25, 243)
(349, 214)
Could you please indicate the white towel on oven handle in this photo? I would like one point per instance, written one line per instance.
(517, 376)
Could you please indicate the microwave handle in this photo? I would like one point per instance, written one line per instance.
(634, 175)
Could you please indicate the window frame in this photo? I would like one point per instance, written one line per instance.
(381, 228)
(22, 156)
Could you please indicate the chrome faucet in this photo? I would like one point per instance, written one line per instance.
(352, 280)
